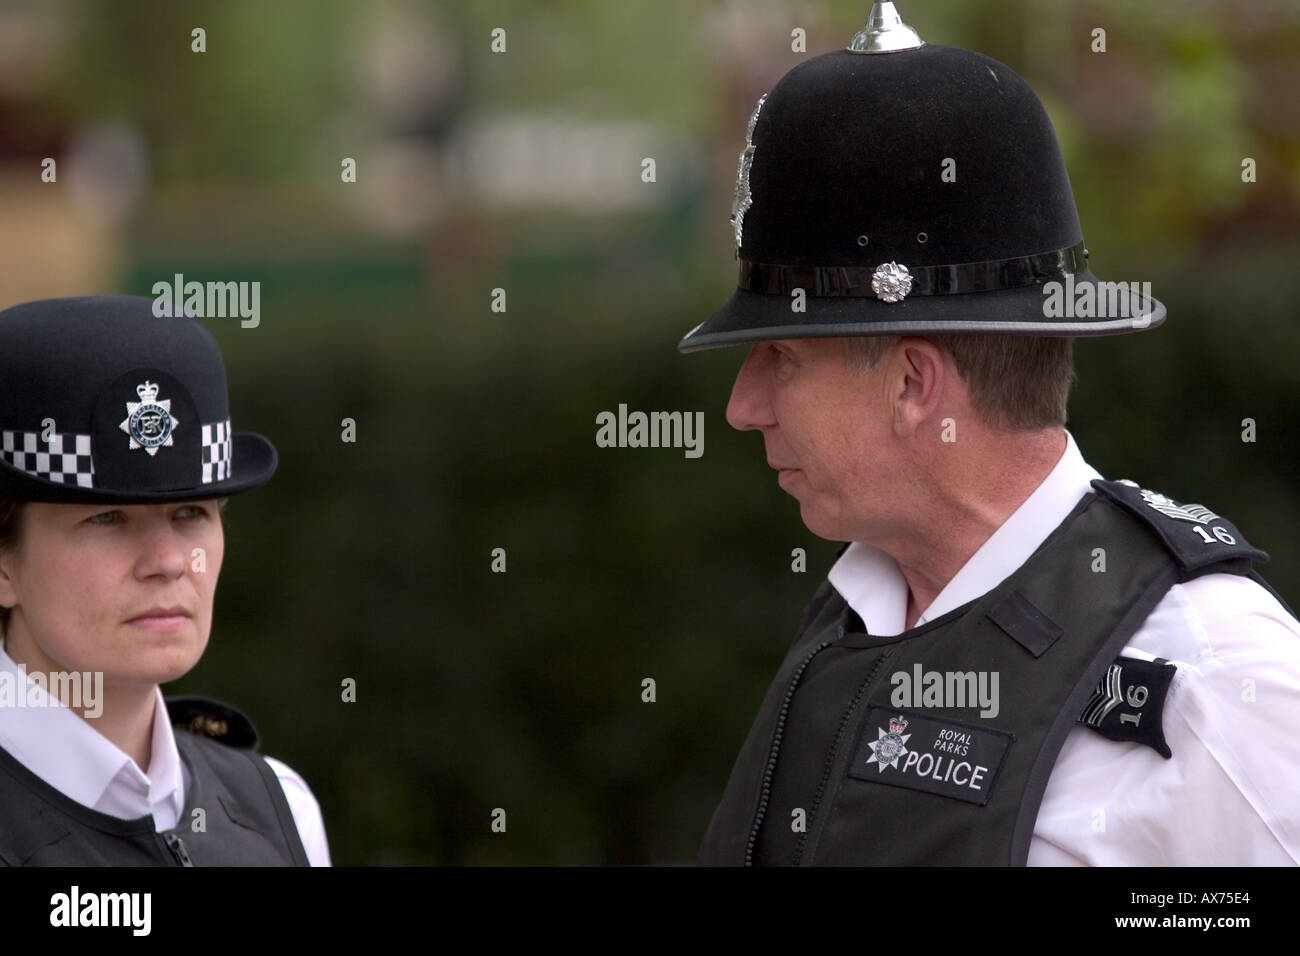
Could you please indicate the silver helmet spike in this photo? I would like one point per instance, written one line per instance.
(885, 32)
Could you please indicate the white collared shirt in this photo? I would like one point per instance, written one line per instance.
(1228, 795)
(61, 748)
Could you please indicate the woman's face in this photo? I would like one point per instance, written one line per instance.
(87, 582)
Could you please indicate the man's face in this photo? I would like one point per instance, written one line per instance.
(824, 426)
(83, 576)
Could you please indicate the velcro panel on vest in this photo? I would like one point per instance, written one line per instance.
(1195, 536)
(1025, 624)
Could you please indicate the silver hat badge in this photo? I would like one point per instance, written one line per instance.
(891, 281)
(743, 198)
(149, 421)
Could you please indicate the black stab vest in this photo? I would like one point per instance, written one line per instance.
(831, 771)
(246, 816)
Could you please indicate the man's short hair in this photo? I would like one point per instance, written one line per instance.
(1016, 382)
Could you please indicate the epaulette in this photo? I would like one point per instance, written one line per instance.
(1195, 536)
(210, 718)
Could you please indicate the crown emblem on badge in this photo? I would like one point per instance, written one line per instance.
(888, 747)
(891, 282)
(149, 422)
(744, 199)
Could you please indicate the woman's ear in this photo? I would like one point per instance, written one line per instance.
(8, 593)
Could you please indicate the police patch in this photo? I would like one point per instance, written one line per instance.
(1129, 702)
(902, 748)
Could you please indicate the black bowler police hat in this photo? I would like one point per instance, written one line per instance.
(907, 188)
(102, 401)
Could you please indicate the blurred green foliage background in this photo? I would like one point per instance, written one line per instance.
(521, 170)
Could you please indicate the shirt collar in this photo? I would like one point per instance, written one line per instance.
(871, 582)
(65, 751)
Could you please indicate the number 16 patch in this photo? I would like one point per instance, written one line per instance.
(1129, 702)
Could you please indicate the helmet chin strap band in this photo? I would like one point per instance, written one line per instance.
(865, 281)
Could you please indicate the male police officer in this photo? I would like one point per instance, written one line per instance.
(1014, 661)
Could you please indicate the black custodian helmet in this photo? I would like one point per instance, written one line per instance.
(902, 187)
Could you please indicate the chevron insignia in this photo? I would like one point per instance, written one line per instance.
(1129, 701)
(1167, 506)
(1104, 699)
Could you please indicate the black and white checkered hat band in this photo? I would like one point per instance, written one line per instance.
(64, 458)
(216, 451)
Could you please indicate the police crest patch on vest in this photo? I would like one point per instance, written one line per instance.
(901, 748)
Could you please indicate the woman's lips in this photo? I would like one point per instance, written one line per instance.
(160, 620)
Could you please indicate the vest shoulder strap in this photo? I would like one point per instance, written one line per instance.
(206, 717)
(1199, 540)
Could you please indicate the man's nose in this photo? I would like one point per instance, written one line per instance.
(750, 405)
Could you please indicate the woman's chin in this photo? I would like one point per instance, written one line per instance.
(155, 657)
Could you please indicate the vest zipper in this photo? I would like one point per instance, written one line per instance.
(846, 720)
(772, 754)
(178, 849)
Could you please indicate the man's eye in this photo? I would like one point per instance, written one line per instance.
(784, 365)
(106, 517)
(193, 511)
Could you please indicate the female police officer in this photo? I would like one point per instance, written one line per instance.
(116, 457)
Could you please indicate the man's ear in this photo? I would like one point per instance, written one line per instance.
(917, 376)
